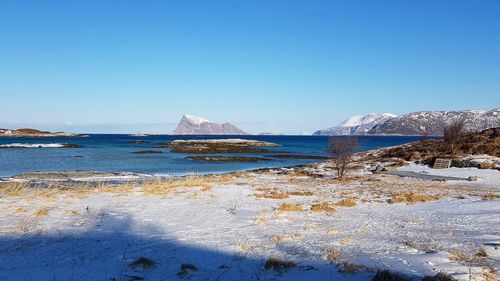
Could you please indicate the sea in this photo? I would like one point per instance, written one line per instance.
(114, 153)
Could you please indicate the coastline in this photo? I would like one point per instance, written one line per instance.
(301, 215)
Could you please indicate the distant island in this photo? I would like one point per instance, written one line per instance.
(194, 125)
(28, 132)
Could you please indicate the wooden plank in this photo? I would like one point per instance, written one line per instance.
(441, 163)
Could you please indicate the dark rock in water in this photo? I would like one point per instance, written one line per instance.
(217, 146)
(293, 156)
(71, 145)
(148, 152)
(226, 158)
(138, 142)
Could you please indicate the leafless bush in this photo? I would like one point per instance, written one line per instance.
(453, 130)
(341, 150)
(424, 137)
(452, 133)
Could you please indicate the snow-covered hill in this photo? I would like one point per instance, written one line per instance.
(433, 122)
(357, 125)
(194, 125)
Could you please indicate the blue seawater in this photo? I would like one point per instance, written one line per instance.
(113, 153)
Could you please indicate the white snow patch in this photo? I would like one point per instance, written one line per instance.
(195, 119)
(32, 145)
(486, 177)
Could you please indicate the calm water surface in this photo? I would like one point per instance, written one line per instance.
(113, 153)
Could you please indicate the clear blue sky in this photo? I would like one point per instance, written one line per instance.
(291, 66)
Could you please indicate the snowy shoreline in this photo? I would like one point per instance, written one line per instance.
(230, 226)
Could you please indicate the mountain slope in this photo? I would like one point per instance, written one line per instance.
(194, 125)
(433, 122)
(357, 125)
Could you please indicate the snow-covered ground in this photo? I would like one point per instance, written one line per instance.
(485, 177)
(229, 230)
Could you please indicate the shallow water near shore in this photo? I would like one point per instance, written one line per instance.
(115, 153)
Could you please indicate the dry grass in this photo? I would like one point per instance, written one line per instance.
(459, 256)
(142, 264)
(490, 274)
(411, 197)
(42, 212)
(20, 210)
(333, 256)
(260, 219)
(346, 202)
(13, 188)
(300, 193)
(490, 196)
(165, 186)
(323, 207)
(277, 264)
(125, 187)
(386, 275)
(273, 194)
(278, 238)
(286, 207)
(351, 268)
(72, 213)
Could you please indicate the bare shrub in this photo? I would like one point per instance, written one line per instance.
(341, 150)
(452, 133)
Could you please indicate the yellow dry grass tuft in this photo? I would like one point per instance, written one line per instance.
(301, 193)
(279, 265)
(351, 268)
(114, 188)
(272, 194)
(20, 210)
(460, 256)
(333, 256)
(286, 207)
(13, 188)
(346, 202)
(166, 186)
(42, 212)
(490, 196)
(323, 207)
(411, 198)
(280, 238)
(72, 213)
(490, 274)
(297, 236)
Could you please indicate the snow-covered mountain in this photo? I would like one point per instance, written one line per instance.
(194, 125)
(433, 122)
(357, 125)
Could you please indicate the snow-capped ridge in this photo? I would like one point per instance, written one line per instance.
(357, 125)
(194, 119)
